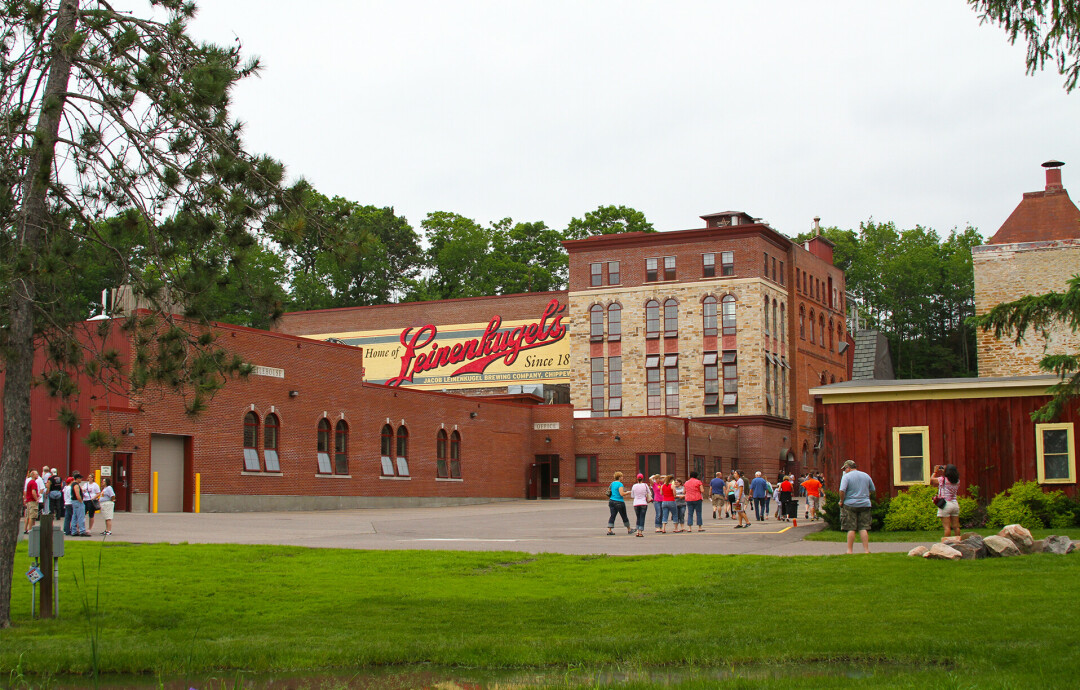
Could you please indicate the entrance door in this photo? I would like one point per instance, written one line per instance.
(121, 472)
(167, 459)
(547, 476)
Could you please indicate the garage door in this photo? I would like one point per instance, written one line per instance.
(167, 459)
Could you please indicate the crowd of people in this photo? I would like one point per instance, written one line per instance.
(677, 503)
(75, 500)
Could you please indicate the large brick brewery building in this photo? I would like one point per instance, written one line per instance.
(670, 352)
(898, 430)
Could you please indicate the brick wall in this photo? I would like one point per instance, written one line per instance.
(1007, 272)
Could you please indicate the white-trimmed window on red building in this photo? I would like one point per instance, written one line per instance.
(652, 270)
(671, 318)
(727, 263)
(323, 447)
(671, 384)
(708, 316)
(251, 443)
(652, 319)
(652, 385)
(708, 265)
(596, 274)
(613, 276)
(711, 364)
(669, 268)
(271, 428)
(341, 447)
(615, 386)
(730, 363)
(586, 469)
(596, 384)
(728, 314)
(614, 311)
(596, 323)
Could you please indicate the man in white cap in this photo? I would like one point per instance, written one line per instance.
(855, 510)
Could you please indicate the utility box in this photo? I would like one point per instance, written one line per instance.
(34, 543)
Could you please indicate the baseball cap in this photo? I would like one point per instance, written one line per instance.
(849, 464)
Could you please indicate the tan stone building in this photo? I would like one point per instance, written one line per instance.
(1035, 251)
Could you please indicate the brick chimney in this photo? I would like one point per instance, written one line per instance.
(1053, 175)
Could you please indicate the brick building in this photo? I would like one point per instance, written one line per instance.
(700, 358)
(898, 430)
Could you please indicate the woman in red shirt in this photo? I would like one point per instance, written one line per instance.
(667, 494)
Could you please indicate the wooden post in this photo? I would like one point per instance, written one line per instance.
(45, 560)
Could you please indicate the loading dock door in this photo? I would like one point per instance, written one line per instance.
(167, 459)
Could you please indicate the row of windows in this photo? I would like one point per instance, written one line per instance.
(663, 268)
(671, 318)
(1054, 456)
(771, 261)
(815, 288)
(822, 331)
(332, 448)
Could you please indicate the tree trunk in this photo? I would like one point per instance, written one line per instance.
(15, 454)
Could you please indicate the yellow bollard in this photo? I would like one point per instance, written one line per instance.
(198, 482)
(97, 477)
(153, 495)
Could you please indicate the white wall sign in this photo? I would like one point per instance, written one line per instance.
(269, 371)
(808, 408)
(106, 471)
(542, 426)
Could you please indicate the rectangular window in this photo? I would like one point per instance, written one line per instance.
(768, 385)
(652, 384)
(781, 272)
(911, 455)
(1055, 453)
(731, 383)
(597, 386)
(649, 464)
(596, 274)
(586, 469)
(613, 272)
(774, 269)
(727, 263)
(669, 268)
(765, 274)
(708, 265)
(614, 316)
(699, 465)
(712, 383)
(651, 270)
(615, 386)
(671, 384)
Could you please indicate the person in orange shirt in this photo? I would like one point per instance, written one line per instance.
(813, 496)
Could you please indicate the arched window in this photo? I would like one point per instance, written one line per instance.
(402, 451)
(323, 436)
(251, 443)
(830, 335)
(671, 318)
(455, 455)
(708, 314)
(811, 325)
(839, 334)
(821, 330)
(442, 469)
(596, 323)
(766, 316)
(652, 319)
(341, 447)
(783, 323)
(270, 443)
(728, 309)
(775, 330)
(802, 322)
(386, 449)
(614, 321)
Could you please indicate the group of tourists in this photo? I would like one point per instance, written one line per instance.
(74, 499)
(677, 503)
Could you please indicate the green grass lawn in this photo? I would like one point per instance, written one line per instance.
(883, 620)
(929, 537)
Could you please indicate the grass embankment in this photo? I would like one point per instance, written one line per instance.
(934, 536)
(188, 609)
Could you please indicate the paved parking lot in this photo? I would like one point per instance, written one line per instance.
(564, 526)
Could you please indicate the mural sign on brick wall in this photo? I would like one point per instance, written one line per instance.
(468, 355)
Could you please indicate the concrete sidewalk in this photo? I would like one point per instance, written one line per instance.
(565, 526)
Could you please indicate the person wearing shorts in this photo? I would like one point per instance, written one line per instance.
(813, 496)
(855, 509)
(30, 499)
(718, 495)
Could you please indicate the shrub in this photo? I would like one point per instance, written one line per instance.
(1026, 503)
(914, 510)
(971, 513)
(830, 511)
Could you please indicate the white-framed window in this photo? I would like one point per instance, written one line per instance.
(911, 455)
(1055, 454)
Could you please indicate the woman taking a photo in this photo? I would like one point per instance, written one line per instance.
(947, 480)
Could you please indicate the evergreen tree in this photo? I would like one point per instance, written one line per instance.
(1050, 27)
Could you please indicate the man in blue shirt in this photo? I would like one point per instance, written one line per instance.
(759, 489)
(718, 494)
(855, 510)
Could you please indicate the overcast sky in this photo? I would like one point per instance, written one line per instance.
(905, 111)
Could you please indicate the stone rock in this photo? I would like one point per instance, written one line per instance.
(967, 551)
(943, 552)
(976, 541)
(997, 545)
(1056, 544)
(1072, 547)
(918, 551)
(1020, 536)
(950, 540)
(968, 535)
(1036, 546)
